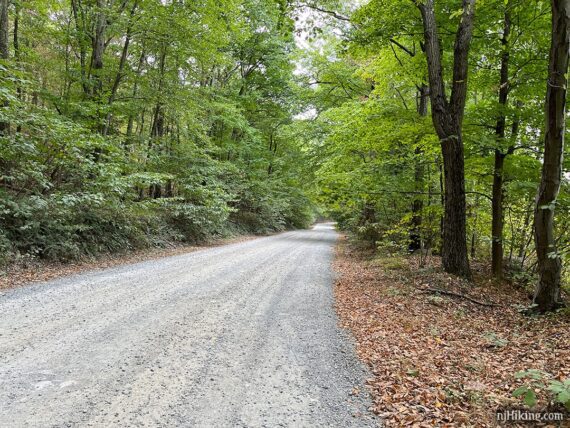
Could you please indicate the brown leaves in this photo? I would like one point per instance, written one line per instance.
(440, 360)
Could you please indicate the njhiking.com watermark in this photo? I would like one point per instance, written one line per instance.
(518, 415)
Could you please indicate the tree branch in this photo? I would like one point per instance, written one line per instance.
(451, 293)
(405, 49)
(328, 12)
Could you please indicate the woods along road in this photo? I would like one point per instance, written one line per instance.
(238, 335)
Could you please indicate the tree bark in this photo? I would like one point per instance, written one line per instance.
(447, 116)
(547, 295)
(4, 51)
(98, 49)
(4, 24)
(497, 223)
(418, 203)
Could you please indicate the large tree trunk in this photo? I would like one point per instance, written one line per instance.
(547, 296)
(447, 118)
(454, 249)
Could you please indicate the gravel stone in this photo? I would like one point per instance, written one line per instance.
(239, 335)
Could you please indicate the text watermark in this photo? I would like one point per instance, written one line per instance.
(518, 415)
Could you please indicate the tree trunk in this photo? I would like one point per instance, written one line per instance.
(4, 51)
(497, 222)
(418, 203)
(4, 24)
(523, 245)
(473, 251)
(447, 116)
(134, 95)
(16, 37)
(454, 248)
(441, 197)
(122, 63)
(79, 18)
(98, 49)
(547, 295)
(157, 128)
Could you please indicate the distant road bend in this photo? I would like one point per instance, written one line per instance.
(238, 335)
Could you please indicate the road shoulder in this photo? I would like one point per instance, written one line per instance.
(27, 271)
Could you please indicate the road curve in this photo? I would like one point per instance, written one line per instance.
(238, 335)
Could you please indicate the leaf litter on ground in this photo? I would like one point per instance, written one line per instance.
(440, 360)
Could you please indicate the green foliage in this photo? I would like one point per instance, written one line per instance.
(374, 150)
(561, 391)
(184, 139)
(494, 340)
(542, 382)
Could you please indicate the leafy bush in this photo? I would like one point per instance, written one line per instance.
(67, 226)
(538, 380)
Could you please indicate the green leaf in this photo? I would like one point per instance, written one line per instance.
(520, 391)
(455, 14)
(564, 397)
(530, 398)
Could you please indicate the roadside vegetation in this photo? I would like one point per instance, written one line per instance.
(136, 124)
(390, 170)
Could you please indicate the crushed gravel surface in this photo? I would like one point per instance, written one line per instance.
(238, 335)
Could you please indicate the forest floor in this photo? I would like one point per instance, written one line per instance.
(436, 359)
(28, 270)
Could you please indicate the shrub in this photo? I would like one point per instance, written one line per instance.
(542, 382)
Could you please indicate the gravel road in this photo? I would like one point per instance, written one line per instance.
(238, 335)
